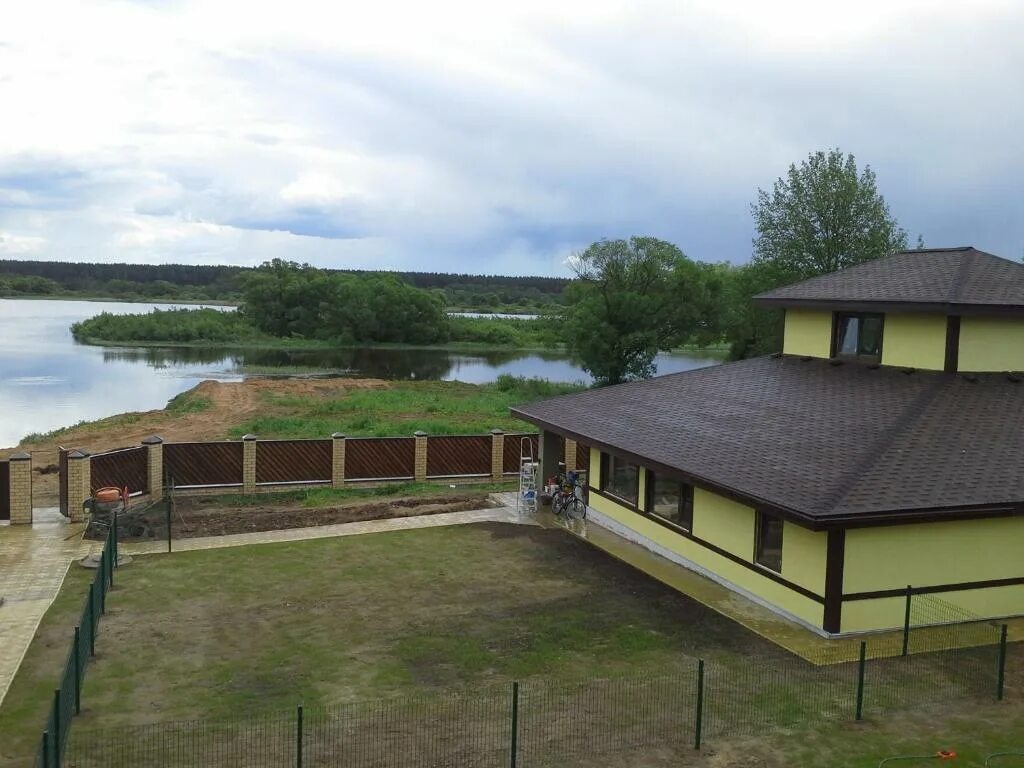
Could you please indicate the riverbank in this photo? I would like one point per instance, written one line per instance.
(296, 408)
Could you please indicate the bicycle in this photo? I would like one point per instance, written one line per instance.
(566, 502)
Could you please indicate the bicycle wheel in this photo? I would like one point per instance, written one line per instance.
(575, 509)
(556, 504)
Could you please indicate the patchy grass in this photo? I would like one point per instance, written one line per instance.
(230, 633)
(27, 704)
(437, 408)
(189, 402)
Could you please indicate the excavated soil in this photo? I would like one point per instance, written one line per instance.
(193, 518)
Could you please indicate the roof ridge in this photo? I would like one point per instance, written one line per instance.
(877, 448)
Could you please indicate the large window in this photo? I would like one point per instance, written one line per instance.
(671, 500)
(858, 336)
(768, 545)
(619, 478)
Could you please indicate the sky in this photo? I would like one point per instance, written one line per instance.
(490, 137)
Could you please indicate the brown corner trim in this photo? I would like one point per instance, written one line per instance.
(770, 575)
(952, 344)
(942, 308)
(936, 589)
(835, 559)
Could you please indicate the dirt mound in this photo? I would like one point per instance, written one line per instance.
(225, 405)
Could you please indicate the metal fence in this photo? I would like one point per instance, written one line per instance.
(67, 697)
(5, 490)
(122, 468)
(540, 723)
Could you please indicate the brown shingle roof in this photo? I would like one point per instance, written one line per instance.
(947, 276)
(825, 442)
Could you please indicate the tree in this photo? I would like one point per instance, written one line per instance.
(824, 216)
(630, 300)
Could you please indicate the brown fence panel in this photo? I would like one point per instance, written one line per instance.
(191, 464)
(511, 451)
(5, 491)
(582, 457)
(378, 458)
(126, 467)
(294, 461)
(458, 455)
(62, 480)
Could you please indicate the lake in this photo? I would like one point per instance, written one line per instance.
(47, 380)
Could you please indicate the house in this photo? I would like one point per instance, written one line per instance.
(883, 447)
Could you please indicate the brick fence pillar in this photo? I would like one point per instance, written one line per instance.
(570, 455)
(249, 464)
(79, 483)
(155, 463)
(337, 459)
(497, 454)
(420, 472)
(21, 489)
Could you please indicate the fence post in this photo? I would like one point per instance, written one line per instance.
(906, 623)
(248, 463)
(46, 749)
(420, 465)
(298, 738)
(497, 454)
(861, 663)
(20, 491)
(168, 506)
(113, 548)
(79, 483)
(56, 726)
(337, 459)
(76, 649)
(513, 754)
(1001, 672)
(155, 466)
(94, 618)
(698, 725)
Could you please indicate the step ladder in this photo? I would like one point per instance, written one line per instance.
(526, 501)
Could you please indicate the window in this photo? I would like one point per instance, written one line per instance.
(619, 478)
(671, 500)
(768, 545)
(858, 336)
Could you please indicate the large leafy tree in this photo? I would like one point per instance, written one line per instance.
(631, 299)
(823, 215)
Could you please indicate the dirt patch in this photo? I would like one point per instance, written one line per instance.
(194, 518)
(230, 404)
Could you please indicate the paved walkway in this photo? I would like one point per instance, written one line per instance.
(34, 560)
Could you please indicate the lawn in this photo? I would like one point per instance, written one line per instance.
(435, 407)
(239, 632)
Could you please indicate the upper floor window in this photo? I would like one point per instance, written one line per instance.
(619, 478)
(670, 499)
(857, 335)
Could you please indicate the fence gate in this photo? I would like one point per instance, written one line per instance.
(5, 491)
(62, 479)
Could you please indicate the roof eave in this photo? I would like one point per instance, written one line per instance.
(841, 305)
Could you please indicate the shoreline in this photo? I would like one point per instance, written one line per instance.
(280, 345)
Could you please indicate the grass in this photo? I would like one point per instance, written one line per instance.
(240, 631)
(188, 402)
(437, 408)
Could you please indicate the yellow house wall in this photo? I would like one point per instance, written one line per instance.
(914, 341)
(991, 344)
(730, 526)
(807, 332)
(931, 554)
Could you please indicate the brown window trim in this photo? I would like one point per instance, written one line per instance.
(749, 565)
(685, 499)
(605, 473)
(759, 516)
(834, 347)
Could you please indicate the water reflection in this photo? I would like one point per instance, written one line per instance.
(49, 381)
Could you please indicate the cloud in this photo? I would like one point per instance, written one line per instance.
(477, 137)
(20, 245)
